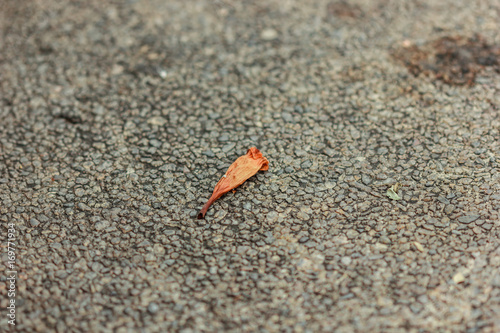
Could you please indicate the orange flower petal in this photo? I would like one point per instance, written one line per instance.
(243, 168)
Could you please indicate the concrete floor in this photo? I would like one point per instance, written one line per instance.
(118, 119)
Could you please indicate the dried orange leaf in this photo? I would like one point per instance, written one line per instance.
(243, 168)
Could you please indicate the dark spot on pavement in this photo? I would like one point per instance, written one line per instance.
(343, 9)
(456, 60)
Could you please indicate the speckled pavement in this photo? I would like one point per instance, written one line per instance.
(118, 118)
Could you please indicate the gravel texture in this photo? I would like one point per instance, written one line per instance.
(118, 118)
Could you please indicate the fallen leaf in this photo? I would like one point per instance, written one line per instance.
(243, 168)
(392, 192)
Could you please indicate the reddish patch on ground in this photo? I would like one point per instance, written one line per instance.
(343, 9)
(455, 60)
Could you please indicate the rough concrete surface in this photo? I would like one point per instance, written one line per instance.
(119, 117)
